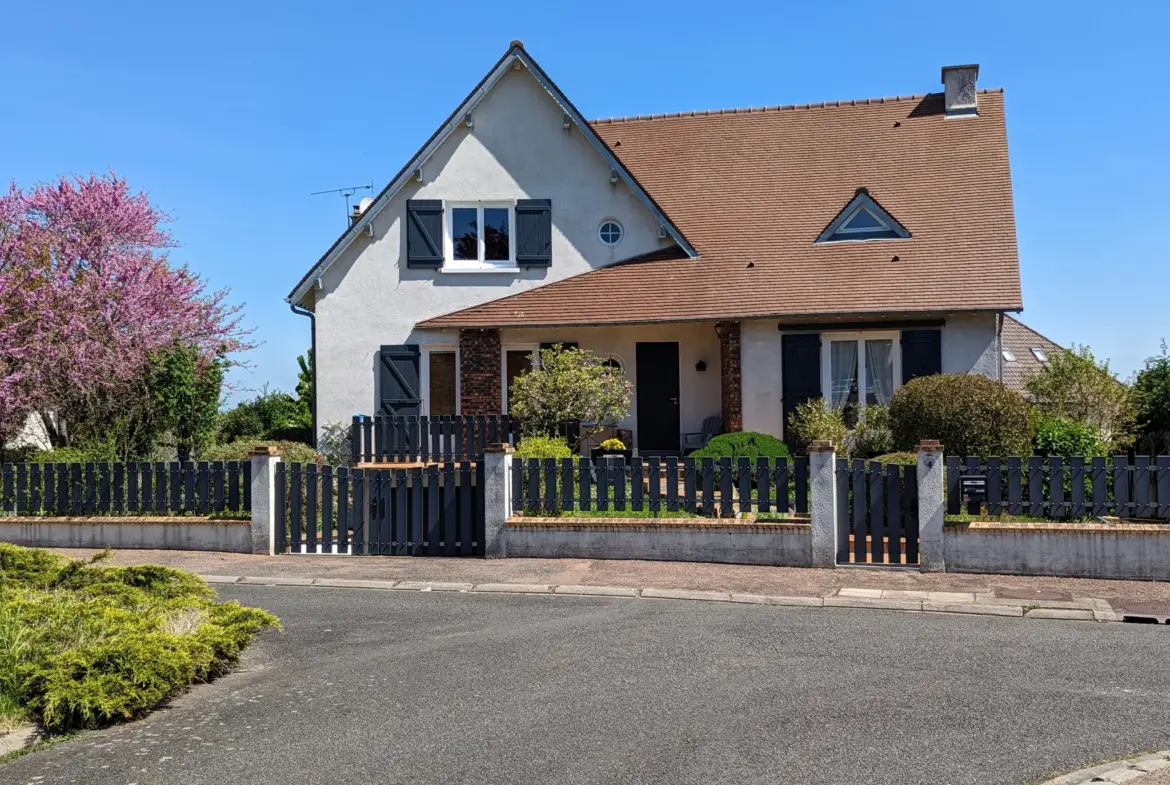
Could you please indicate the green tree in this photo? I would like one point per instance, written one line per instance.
(270, 415)
(1152, 396)
(570, 385)
(185, 390)
(305, 391)
(1075, 385)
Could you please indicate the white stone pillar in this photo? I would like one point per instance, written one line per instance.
(264, 501)
(931, 481)
(497, 499)
(822, 462)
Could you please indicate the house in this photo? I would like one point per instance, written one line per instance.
(1024, 352)
(733, 262)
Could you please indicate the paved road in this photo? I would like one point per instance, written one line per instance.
(390, 687)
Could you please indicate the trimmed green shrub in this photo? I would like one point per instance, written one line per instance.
(900, 458)
(815, 420)
(103, 644)
(290, 452)
(70, 455)
(970, 414)
(543, 447)
(1065, 437)
(743, 444)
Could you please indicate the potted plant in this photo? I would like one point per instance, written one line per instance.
(611, 448)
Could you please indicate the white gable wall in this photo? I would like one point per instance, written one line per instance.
(517, 149)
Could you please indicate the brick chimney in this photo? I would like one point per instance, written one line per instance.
(961, 98)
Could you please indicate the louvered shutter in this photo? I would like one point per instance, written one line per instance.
(424, 233)
(921, 353)
(399, 389)
(534, 232)
(800, 367)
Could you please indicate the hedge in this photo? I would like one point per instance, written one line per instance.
(970, 414)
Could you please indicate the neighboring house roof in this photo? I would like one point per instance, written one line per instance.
(754, 189)
(516, 52)
(1020, 342)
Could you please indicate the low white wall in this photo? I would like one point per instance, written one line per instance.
(178, 534)
(1128, 552)
(774, 544)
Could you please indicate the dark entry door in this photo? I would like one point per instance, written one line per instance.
(657, 398)
(800, 366)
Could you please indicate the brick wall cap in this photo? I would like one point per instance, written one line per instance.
(821, 445)
(498, 448)
(266, 450)
(930, 445)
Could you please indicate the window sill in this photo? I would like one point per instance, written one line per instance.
(479, 270)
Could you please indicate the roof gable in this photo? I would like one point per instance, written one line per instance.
(516, 56)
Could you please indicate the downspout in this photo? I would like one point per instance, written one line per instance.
(299, 311)
(998, 349)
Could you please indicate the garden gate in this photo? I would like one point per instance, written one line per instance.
(433, 510)
(877, 513)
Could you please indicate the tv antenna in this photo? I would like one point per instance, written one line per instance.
(346, 192)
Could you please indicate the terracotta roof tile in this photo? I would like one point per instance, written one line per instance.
(1019, 339)
(752, 189)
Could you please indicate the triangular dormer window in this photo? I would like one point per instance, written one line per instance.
(863, 219)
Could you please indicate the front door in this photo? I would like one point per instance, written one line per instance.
(657, 398)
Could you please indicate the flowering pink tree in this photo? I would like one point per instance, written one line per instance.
(87, 297)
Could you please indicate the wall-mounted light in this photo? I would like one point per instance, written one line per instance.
(701, 366)
(613, 176)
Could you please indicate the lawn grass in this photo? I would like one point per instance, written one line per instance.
(83, 646)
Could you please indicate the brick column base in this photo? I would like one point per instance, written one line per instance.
(479, 372)
(730, 376)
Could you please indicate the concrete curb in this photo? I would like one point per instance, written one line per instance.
(18, 739)
(1127, 770)
(857, 599)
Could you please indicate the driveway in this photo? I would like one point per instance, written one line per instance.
(398, 687)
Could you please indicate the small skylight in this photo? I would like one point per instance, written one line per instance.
(1007, 355)
(1039, 354)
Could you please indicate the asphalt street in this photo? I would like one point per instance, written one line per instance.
(396, 687)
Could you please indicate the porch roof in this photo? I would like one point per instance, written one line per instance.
(753, 189)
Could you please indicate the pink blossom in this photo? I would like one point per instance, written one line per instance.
(87, 296)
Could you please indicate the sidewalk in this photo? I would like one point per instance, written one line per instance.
(845, 587)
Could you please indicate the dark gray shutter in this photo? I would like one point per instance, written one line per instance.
(424, 233)
(399, 389)
(800, 367)
(534, 232)
(921, 353)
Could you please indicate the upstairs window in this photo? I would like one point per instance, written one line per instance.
(479, 237)
(863, 219)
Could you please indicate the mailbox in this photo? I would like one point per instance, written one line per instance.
(974, 490)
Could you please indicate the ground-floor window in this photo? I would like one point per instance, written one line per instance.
(442, 383)
(860, 368)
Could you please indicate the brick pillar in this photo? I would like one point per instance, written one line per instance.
(730, 375)
(479, 372)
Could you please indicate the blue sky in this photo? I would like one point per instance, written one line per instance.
(230, 113)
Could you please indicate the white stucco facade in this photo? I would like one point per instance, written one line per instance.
(970, 344)
(698, 342)
(517, 148)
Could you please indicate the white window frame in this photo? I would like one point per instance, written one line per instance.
(425, 376)
(532, 348)
(865, 335)
(480, 265)
(862, 208)
(621, 229)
